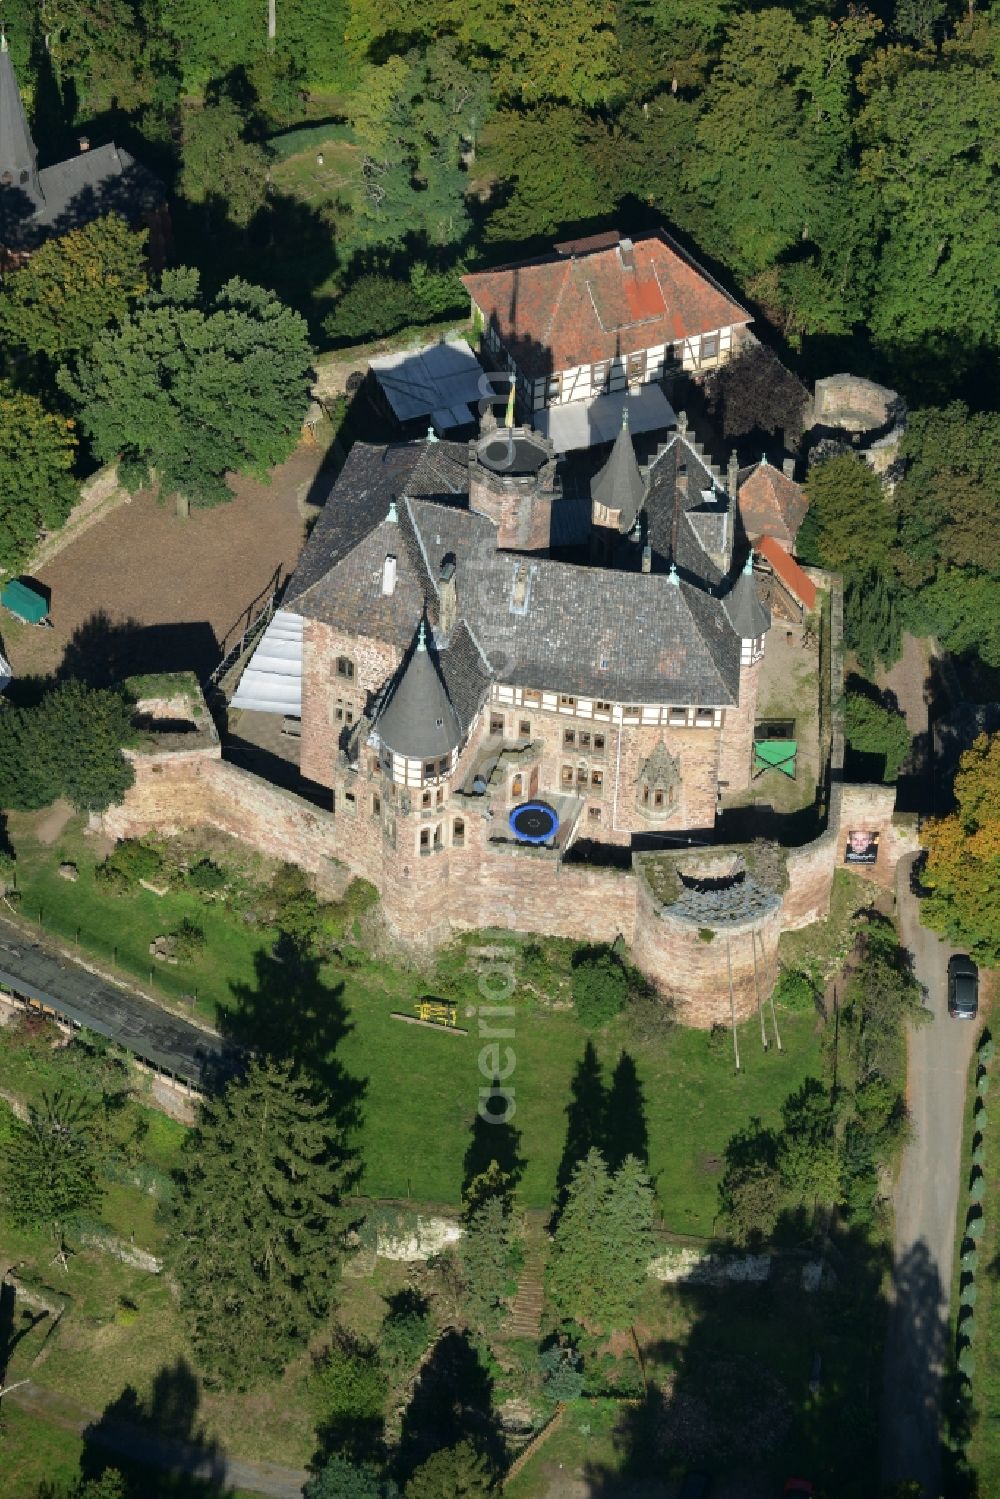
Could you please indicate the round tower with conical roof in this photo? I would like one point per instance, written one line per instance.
(512, 481)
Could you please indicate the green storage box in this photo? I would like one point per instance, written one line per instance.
(26, 602)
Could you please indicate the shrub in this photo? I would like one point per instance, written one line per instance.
(373, 306)
(969, 1294)
(977, 1190)
(975, 1227)
(562, 1372)
(986, 1048)
(967, 1362)
(188, 940)
(983, 1084)
(795, 990)
(341, 1479)
(978, 1155)
(348, 1387)
(406, 1331)
(129, 861)
(706, 934)
(126, 1312)
(599, 985)
(969, 1328)
(970, 1261)
(206, 877)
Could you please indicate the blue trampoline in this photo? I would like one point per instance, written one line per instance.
(534, 822)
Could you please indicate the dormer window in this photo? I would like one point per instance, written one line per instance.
(658, 791)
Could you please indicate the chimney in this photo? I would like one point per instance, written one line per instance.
(626, 250)
(84, 143)
(447, 597)
(788, 468)
(732, 475)
(389, 575)
(647, 558)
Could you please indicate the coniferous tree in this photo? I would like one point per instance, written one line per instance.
(603, 1243)
(339, 1478)
(453, 1473)
(70, 744)
(488, 1251)
(260, 1223)
(51, 1169)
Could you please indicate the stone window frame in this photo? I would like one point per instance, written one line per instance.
(498, 724)
(567, 776)
(600, 744)
(524, 728)
(593, 814)
(569, 738)
(376, 804)
(597, 779)
(567, 702)
(345, 668)
(458, 832)
(604, 708)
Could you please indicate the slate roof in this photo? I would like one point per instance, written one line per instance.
(684, 526)
(619, 485)
(770, 504)
(70, 194)
(528, 620)
(418, 719)
(574, 309)
(749, 617)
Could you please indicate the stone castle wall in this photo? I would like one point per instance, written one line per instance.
(483, 883)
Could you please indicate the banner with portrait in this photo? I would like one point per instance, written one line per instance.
(862, 847)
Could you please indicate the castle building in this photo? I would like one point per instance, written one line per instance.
(38, 203)
(493, 660)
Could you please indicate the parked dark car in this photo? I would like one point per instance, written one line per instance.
(963, 987)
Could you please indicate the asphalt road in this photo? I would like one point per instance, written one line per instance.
(36, 970)
(926, 1201)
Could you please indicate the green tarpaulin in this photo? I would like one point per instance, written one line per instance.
(775, 754)
(24, 602)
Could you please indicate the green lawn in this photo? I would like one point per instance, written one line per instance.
(422, 1087)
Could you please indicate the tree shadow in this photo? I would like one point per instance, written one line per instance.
(494, 1139)
(611, 1120)
(772, 1379)
(292, 1014)
(161, 1430)
(452, 1402)
(104, 651)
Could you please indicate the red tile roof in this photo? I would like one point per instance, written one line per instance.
(771, 504)
(789, 571)
(579, 308)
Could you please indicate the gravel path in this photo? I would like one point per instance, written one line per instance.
(166, 593)
(926, 1201)
(175, 1457)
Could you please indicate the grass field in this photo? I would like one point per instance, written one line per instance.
(422, 1087)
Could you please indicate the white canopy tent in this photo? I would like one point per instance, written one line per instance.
(272, 680)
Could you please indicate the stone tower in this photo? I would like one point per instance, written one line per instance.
(512, 481)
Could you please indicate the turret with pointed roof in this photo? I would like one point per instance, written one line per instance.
(419, 721)
(749, 618)
(617, 492)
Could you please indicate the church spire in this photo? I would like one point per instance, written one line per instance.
(18, 157)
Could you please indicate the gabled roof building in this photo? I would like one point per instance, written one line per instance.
(598, 322)
(37, 203)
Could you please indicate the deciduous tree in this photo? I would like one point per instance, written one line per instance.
(849, 524)
(963, 858)
(37, 491)
(191, 390)
(73, 287)
(51, 1168)
(220, 168)
(873, 729)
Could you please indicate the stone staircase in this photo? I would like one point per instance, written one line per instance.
(526, 1314)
